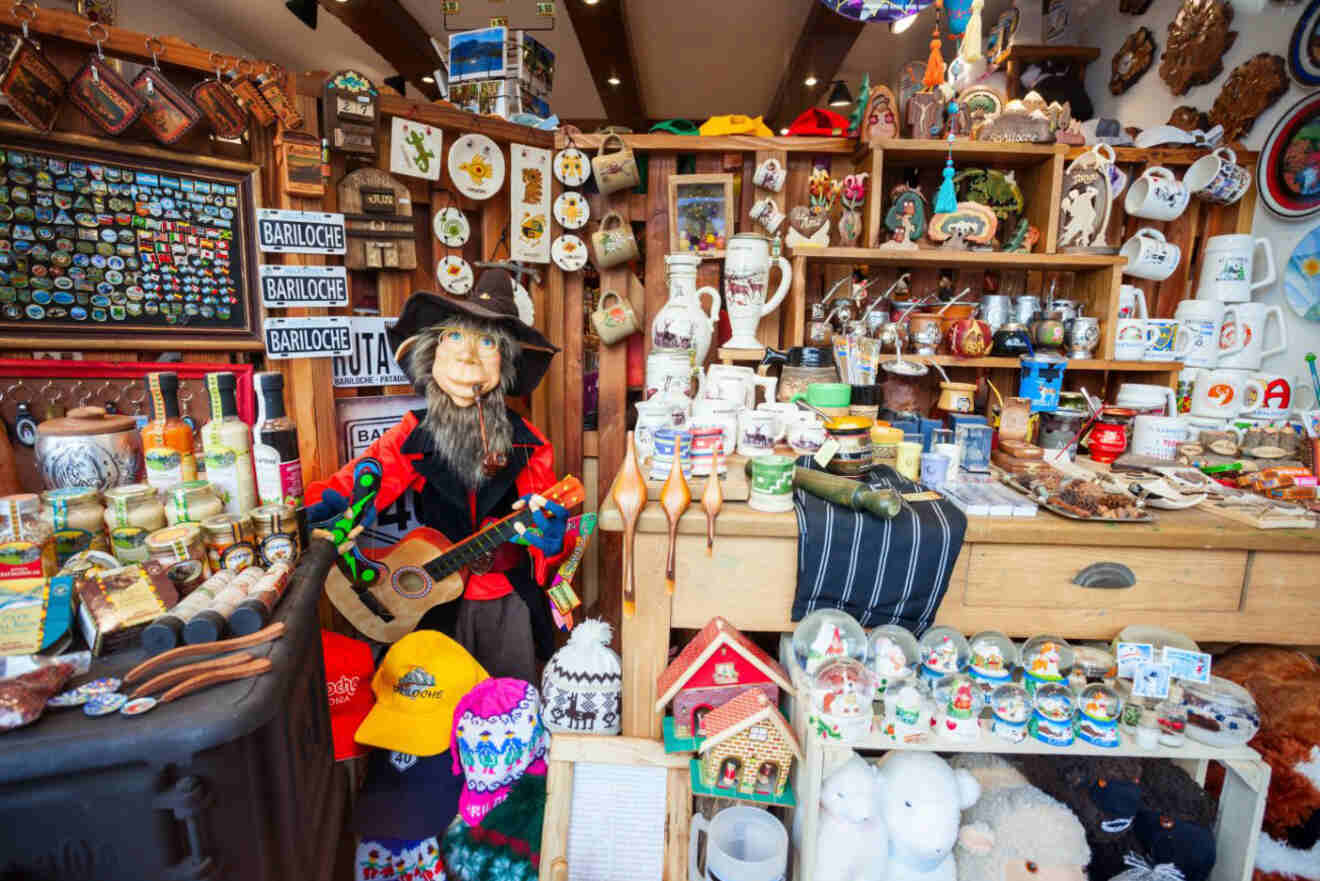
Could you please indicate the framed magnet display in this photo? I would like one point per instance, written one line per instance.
(378, 219)
(700, 213)
(298, 155)
(119, 248)
(349, 113)
(1288, 168)
(1304, 48)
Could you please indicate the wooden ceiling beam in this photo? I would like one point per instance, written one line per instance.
(390, 29)
(602, 31)
(826, 39)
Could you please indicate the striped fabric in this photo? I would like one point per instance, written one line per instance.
(879, 571)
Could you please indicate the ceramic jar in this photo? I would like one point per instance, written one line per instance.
(681, 323)
(88, 447)
(970, 338)
(853, 435)
(747, 264)
(1109, 437)
(1048, 333)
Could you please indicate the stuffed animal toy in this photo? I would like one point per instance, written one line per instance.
(851, 839)
(1286, 686)
(1015, 832)
(921, 799)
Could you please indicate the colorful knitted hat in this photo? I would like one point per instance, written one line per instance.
(583, 683)
(507, 844)
(497, 737)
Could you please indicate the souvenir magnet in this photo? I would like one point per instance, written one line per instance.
(138, 705)
(34, 87)
(169, 114)
(102, 94)
(104, 704)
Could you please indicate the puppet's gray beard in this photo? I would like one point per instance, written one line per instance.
(457, 432)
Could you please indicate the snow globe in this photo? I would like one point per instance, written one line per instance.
(893, 655)
(841, 693)
(1098, 710)
(993, 659)
(825, 635)
(943, 651)
(1045, 659)
(960, 701)
(1220, 712)
(1095, 662)
(907, 712)
(1009, 708)
(1052, 720)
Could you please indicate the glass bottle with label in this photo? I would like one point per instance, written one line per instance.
(227, 443)
(167, 441)
(279, 470)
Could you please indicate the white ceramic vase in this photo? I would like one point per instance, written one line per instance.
(681, 323)
(746, 278)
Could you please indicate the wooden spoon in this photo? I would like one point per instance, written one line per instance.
(675, 498)
(629, 495)
(712, 500)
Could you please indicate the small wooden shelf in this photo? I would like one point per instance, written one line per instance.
(1029, 54)
(941, 257)
(930, 151)
(1174, 155)
(1077, 364)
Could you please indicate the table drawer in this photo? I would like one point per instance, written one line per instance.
(1041, 576)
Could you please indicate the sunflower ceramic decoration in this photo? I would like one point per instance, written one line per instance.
(476, 166)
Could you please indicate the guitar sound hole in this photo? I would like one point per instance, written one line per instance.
(412, 583)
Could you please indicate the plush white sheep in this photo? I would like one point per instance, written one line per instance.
(920, 797)
(852, 843)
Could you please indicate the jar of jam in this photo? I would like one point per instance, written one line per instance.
(176, 543)
(192, 501)
(228, 540)
(76, 520)
(275, 534)
(132, 513)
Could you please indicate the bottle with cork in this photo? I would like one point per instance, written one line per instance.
(279, 470)
(167, 441)
(227, 442)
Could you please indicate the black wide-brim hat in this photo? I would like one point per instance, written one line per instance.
(491, 300)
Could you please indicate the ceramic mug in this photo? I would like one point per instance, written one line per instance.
(805, 433)
(614, 322)
(738, 383)
(1228, 268)
(742, 844)
(1279, 396)
(1130, 339)
(756, 433)
(1149, 255)
(1252, 326)
(719, 413)
(1152, 400)
(670, 370)
(1132, 302)
(1217, 178)
(767, 213)
(614, 241)
(770, 175)
(1204, 320)
(1158, 436)
(1156, 195)
(1222, 394)
(785, 415)
(1166, 340)
(654, 414)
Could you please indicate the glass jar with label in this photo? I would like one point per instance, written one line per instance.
(131, 514)
(177, 543)
(275, 533)
(192, 501)
(228, 540)
(26, 548)
(76, 520)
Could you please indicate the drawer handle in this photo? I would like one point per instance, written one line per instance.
(1112, 576)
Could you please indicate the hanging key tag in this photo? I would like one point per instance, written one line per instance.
(269, 84)
(170, 113)
(32, 86)
(243, 86)
(224, 114)
(101, 93)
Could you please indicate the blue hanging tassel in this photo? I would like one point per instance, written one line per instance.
(946, 201)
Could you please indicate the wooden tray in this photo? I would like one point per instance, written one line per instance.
(1063, 512)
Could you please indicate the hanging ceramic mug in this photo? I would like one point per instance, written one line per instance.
(767, 214)
(1250, 329)
(616, 170)
(1166, 340)
(1149, 255)
(1131, 302)
(1204, 320)
(614, 241)
(1228, 270)
(770, 175)
(670, 370)
(614, 322)
(1217, 178)
(1222, 394)
(1156, 195)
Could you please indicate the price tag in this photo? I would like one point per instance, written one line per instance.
(826, 452)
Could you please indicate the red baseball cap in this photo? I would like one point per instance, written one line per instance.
(348, 670)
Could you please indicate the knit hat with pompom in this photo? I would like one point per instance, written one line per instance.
(583, 683)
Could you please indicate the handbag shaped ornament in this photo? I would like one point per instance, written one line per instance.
(247, 92)
(616, 170)
(225, 116)
(284, 109)
(104, 96)
(170, 113)
(33, 86)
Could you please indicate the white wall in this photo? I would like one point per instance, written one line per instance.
(1149, 102)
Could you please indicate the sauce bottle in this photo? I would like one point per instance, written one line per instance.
(167, 441)
(279, 470)
(227, 442)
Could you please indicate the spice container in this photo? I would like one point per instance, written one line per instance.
(166, 631)
(228, 539)
(167, 441)
(76, 520)
(192, 501)
(884, 444)
(209, 624)
(132, 512)
(255, 611)
(275, 534)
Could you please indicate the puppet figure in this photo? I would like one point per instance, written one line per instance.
(468, 460)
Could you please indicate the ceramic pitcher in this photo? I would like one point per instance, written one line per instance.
(681, 323)
(746, 277)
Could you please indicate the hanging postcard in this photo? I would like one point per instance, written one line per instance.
(529, 189)
(415, 149)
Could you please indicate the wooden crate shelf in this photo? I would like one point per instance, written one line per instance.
(941, 258)
(996, 361)
(932, 151)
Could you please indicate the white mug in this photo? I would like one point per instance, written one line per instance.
(767, 213)
(742, 844)
(660, 412)
(1131, 302)
(1222, 394)
(1158, 436)
(1130, 339)
(806, 434)
(721, 413)
(1156, 195)
(1250, 329)
(1204, 320)
(734, 381)
(756, 433)
(1166, 340)
(670, 370)
(770, 175)
(1227, 270)
(1216, 177)
(1279, 396)
(785, 414)
(1149, 255)
(1148, 399)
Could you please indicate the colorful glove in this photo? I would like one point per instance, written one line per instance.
(551, 540)
(332, 506)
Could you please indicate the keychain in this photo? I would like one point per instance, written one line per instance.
(34, 87)
(269, 84)
(245, 88)
(170, 114)
(224, 114)
(101, 93)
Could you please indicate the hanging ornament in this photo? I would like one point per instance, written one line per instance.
(971, 41)
(935, 64)
(959, 11)
(946, 200)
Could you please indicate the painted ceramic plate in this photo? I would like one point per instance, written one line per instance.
(572, 167)
(476, 166)
(569, 252)
(572, 210)
(454, 274)
(880, 10)
(1288, 168)
(1301, 278)
(137, 706)
(1304, 47)
(523, 300)
(451, 227)
(104, 704)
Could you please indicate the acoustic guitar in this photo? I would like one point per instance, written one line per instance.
(385, 593)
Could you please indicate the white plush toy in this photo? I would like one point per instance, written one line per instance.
(851, 841)
(921, 799)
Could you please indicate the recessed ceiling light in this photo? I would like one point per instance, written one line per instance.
(809, 81)
(591, 2)
(783, 131)
(899, 25)
(614, 81)
(428, 79)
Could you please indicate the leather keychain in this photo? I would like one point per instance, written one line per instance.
(269, 84)
(101, 93)
(34, 87)
(170, 114)
(224, 114)
(245, 88)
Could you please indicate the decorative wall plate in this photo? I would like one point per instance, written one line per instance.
(1304, 47)
(876, 10)
(476, 166)
(1301, 279)
(1250, 90)
(572, 210)
(454, 274)
(1199, 38)
(1288, 168)
(569, 252)
(1132, 60)
(451, 227)
(572, 167)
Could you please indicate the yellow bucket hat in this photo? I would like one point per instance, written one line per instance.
(423, 677)
(735, 124)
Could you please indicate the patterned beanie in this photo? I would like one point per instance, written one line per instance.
(497, 737)
(583, 683)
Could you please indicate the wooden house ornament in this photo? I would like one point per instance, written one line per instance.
(749, 747)
(349, 113)
(299, 158)
(378, 220)
(718, 665)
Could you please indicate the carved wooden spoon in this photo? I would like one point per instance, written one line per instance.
(712, 500)
(629, 495)
(675, 498)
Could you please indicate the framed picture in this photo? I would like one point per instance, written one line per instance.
(700, 213)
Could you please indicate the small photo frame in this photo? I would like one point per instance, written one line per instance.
(700, 214)
(1151, 680)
